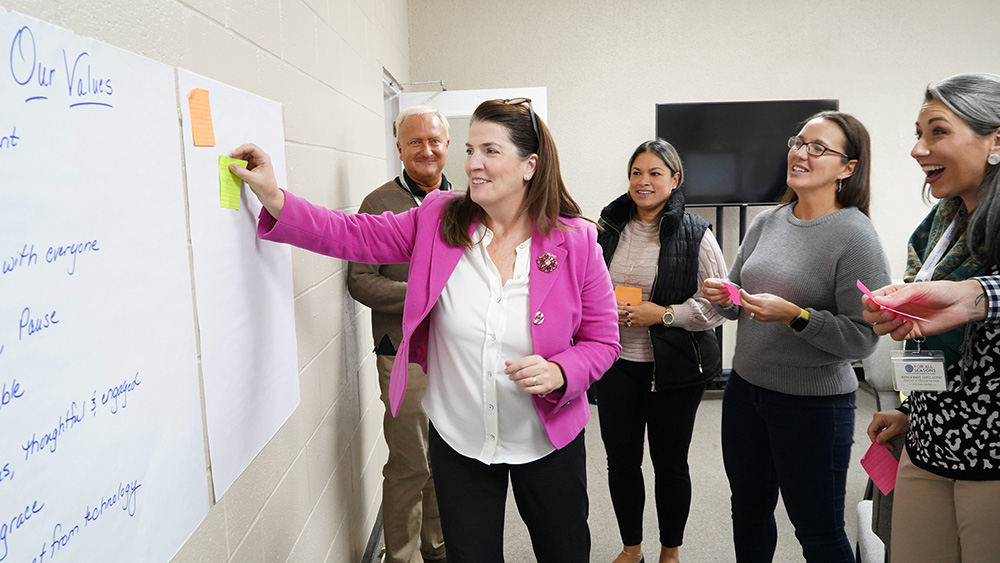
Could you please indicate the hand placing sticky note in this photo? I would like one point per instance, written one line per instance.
(881, 467)
(201, 118)
(866, 291)
(230, 184)
(734, 293)
(626, 294)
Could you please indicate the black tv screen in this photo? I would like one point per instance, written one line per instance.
(734, 152)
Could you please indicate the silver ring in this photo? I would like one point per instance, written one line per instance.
(628, 322)
(534, 381)
(751, 315)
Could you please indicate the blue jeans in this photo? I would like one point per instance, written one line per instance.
(800, 445)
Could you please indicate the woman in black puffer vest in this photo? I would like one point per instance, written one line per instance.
(658, 256)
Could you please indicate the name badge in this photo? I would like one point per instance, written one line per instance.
(918, 370)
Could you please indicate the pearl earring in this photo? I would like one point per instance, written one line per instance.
(994, 159)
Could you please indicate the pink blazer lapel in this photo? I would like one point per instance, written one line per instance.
(548, 255)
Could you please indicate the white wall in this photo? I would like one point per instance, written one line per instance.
(608, 63)
(313, 493)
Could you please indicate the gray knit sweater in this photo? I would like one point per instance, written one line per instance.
(815, 265)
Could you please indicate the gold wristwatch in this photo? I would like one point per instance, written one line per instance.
(668, 317)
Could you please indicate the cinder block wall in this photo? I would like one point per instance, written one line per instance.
(313, 493)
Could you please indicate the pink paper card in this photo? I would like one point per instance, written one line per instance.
(865, 290)
(734, 293)
(881, 467)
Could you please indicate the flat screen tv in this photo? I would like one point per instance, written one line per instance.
(734, 152)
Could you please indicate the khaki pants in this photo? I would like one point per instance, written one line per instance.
(935, 519)
(412, 526)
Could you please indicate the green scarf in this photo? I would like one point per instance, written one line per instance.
(957, 264)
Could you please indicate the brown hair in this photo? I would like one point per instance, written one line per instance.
(546, 198)
(856, 188)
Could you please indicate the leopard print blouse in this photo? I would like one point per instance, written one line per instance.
(956, 433)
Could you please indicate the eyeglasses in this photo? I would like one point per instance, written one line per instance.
(531, 111)
(814, 149)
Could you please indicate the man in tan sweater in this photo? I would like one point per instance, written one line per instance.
(410, 518)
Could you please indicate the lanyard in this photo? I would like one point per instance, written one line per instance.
(402, 180)
(934, 258)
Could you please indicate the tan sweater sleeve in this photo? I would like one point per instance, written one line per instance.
(697, 313)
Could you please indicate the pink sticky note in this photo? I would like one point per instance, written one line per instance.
(734, 293)
(881, 467)
(865, 290)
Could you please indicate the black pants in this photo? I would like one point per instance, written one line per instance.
(628, 410)
(551, 496)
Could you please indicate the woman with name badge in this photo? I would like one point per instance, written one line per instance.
(658, 256)
(788, 407)
(510, 311)
(947, 495)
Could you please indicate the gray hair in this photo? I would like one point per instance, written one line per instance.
(975, 97)
(421, 110)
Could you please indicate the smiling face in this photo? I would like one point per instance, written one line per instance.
(651, 182)
(422, 143)
(951, 154)
(498, 176)
(807, 172)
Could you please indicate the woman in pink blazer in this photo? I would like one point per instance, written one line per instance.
(510, 311)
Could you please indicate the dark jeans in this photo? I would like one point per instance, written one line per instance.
(800, 445)
(551, 496)
(628, 411)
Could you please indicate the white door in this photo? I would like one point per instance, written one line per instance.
(457, 106)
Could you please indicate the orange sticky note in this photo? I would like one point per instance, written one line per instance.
(626, 294)
(201, 118)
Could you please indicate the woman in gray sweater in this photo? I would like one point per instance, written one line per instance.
(788, 408)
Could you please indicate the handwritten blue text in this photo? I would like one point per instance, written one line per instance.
(84, 85)
(120, 392)
(26, 256)
(15, 523)
(10, 141)
(126, 494)
(9, 394)
(50, 440)
(34, 324)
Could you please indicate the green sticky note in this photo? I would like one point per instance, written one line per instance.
(229, 184)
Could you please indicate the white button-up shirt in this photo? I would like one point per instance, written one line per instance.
(476, 326)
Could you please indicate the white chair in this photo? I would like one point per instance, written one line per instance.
(875, 510)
